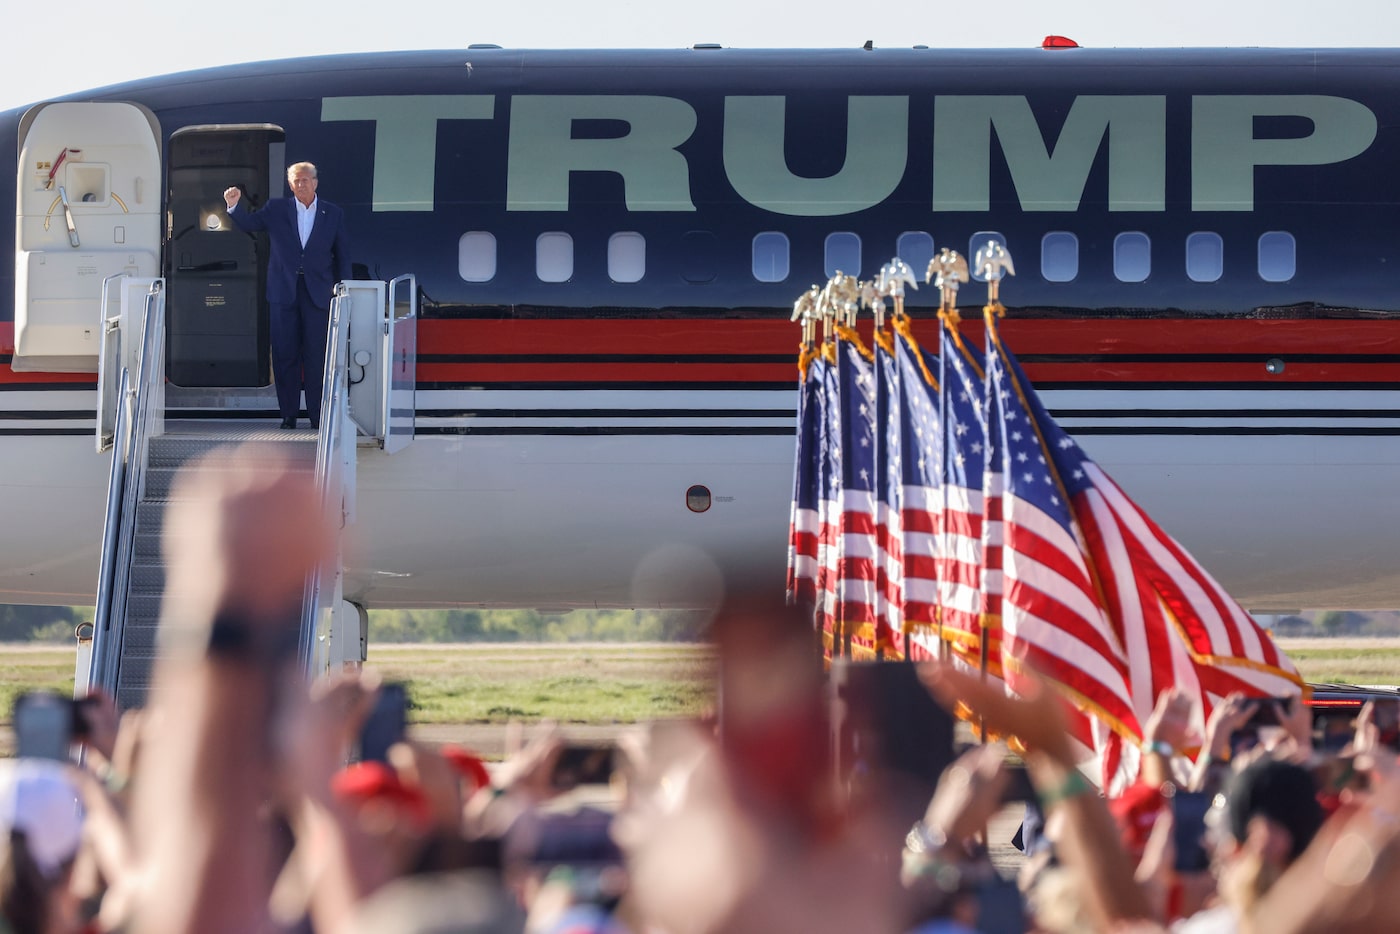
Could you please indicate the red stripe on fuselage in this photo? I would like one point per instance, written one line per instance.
(1102, 342)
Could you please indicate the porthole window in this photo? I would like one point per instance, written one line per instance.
(554, 257)
(697, 498)
(843, 254)
(1132, 257)
(1059, 256)
(476, 256)
(627, 257)
(770, 257)
(979, 241)
(1278, 256)
(916, 248)
(1205, 256)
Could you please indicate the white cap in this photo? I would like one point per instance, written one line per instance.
(39, 799)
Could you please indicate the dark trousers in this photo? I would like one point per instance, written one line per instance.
(299, 353)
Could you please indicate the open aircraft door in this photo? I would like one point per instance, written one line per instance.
(401, 363)
(87, 206)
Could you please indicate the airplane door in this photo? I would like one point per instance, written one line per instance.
(216, 275)
(88, 206)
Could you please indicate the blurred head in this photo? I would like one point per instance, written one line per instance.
(390, 811)
(1283, 794)
(1266, 817)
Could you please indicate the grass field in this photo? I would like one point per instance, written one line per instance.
(603, 684)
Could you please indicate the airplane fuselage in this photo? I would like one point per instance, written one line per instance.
(608, 245)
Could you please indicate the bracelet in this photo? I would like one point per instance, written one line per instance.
(1074, 785)
(1159, 747)
(922, 838)
(115, 782)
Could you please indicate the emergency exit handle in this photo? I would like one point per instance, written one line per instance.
(68, 219)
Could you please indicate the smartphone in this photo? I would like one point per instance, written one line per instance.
(1267, 711)
(1189, 813)
(43, 724)
(386, 723)
(582, 765)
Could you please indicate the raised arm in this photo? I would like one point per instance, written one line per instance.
(242, 218)
(1089, 840)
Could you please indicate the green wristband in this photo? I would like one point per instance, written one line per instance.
(1074, 785)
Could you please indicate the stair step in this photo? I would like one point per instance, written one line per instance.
(146, 577)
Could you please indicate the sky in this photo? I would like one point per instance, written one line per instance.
(83, 44)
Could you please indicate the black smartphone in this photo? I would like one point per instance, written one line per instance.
(581, 764)
(386, 723)
(1189, 829)
(43, 723)
(1267, 711)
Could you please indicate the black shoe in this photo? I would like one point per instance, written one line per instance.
(315, 426)
(289, 423)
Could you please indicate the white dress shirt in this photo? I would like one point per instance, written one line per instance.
(306, 218)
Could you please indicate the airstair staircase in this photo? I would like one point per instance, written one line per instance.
(154, 430)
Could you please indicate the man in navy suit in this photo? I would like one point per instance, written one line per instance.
(310, 254)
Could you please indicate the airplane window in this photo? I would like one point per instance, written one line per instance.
(1059, 256)
(1132, 257)
(627, 257)
(916, 248)
(843, 254)
(1278, 256)
(554, 257)
(1205, 256)
(770, 257)
(476, 256)
(978, 241)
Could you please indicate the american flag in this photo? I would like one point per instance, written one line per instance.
(889, 601)
(1095, 596)
(855, 554)
(915, 461)
(803, 529)
(959, 538)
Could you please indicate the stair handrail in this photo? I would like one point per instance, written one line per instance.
(98, 673)
(330, 459)
(134, 417)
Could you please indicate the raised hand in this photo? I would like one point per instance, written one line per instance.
(231, 196)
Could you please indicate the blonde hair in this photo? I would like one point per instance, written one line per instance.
(296, 167)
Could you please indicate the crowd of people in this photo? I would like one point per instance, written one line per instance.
(225, 804)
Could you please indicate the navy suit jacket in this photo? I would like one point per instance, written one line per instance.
(324, 261)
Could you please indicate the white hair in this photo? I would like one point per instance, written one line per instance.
(296, 167)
